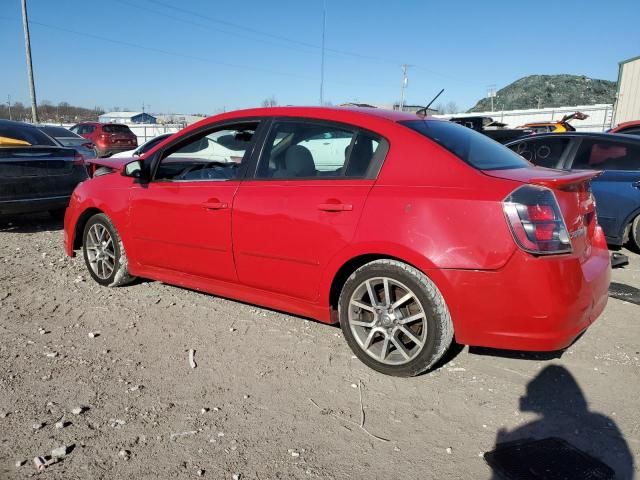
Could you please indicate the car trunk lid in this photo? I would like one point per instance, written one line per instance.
(32, 172)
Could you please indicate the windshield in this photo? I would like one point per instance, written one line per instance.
(474, 148)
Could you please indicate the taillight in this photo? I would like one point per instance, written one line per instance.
(104, 136)
(78, 159)
(536, 221)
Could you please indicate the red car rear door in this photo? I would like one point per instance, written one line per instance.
(303, 204)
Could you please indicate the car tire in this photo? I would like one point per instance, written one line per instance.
(104, 253)
(634, 236)
(393, 336)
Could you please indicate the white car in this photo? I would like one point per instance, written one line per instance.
(146, 146)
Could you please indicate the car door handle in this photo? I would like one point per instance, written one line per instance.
(215, 205)
(335, 207)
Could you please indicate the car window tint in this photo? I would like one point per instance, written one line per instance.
(544, 152)
(631, 131)
(210, 155)
(607, 155)
(310, 150)
(472, 147)
(116, 129)
(27, 134)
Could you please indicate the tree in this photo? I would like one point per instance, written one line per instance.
(270, 102)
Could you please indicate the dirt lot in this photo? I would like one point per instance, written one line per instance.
(274, 396)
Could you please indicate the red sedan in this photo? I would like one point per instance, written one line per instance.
(407, 231)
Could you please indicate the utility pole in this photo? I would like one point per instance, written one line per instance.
(403, 85)
(324, 25)
(27, 46)
(491, 93)
(9, 103)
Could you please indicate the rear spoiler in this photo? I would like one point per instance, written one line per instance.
(568, 180)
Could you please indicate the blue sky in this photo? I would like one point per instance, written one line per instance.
(206, 56)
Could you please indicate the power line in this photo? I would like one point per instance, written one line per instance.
(159, 50)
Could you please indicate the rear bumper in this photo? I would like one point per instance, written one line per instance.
(533, 303)
(33, 205)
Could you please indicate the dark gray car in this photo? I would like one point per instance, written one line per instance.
(37, 176)
(67, 138)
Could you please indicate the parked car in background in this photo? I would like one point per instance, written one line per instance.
(418, 230)
(109, 138)
(560, 126)
(36, 174)
(617, 189)
(67, 138)
(142, 148)
(628, 128)
(498, 131)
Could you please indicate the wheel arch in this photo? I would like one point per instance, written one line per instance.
(80, 224)
(349, 262)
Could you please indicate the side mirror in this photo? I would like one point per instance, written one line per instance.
(133, 169)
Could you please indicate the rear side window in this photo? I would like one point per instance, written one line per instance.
(631, 131)
(310, 150)
(116, 129)
(474, 148)
(27, 134)
(607, 155)
(543, 152)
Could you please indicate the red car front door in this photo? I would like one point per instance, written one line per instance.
(181, 220)
(303, 206)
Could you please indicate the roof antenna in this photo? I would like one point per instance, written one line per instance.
(423, 111)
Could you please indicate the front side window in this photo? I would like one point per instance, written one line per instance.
(607, 155)
(543, 152)
(210, 155)
(318, 150)
(472, 147)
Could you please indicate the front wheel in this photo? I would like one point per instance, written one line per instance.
(394, 318)
(104, 252)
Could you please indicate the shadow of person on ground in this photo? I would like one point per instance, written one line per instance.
(564, 412)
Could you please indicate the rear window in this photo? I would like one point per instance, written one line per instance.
(116, 129)
(474, 148)
(58, 132)
(27, 134)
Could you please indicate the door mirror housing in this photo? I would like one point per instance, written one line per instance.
(133, 169)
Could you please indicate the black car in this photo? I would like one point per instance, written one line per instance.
(616, 190)
(36, 173)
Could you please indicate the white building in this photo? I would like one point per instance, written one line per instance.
(127, 117)
(627, 106)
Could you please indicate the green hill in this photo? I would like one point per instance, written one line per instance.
(550, 91)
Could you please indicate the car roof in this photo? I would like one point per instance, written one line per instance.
(15, 124)
(630, 123)
(392, 115)
(597, 135)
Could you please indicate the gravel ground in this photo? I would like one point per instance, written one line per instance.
(274, 396)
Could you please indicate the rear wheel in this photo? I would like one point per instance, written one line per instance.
(104, 252)
(394, 318)
(635, 234)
